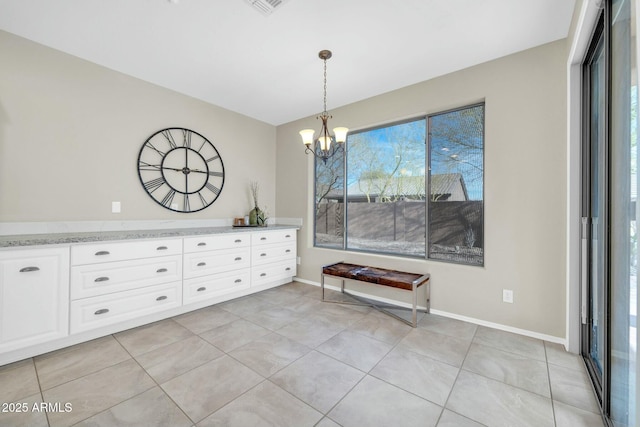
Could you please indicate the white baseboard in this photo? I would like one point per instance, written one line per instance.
(506, 328)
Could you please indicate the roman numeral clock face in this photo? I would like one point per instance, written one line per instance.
(181, 170)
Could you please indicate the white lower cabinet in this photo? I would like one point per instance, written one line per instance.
(116, 282)
(216, 265)
(273, 256)
(34, 296)
(94, 312)
(50, 296)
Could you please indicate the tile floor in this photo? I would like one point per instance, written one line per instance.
(283, 358)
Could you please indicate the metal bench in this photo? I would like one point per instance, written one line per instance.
(379, 276)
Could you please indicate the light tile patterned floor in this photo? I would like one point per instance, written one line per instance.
(283, 358)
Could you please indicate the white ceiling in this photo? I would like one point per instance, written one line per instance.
(227, 53)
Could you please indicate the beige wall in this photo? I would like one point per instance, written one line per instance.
(70, 132)
(525, 184)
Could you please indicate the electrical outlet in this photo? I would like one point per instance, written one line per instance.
(507, 296)
(116, 207)
(298, 260)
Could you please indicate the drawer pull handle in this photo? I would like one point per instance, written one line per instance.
(263, 238)
(162, 297)
(287, 269)
(287, 236)
(263, 254)
(100, 253)
(161, 248)
(202, 264)
(263, 274)
(161, 270)
(200, 289)
(29, 269)
(101, 311)
(202, 244)
(101, 279)
(238, 258)
(238, 280)
(238, 241)
(287, 251)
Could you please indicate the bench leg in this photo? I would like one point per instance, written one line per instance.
(414, 317)
(428, 292)
(322, 285)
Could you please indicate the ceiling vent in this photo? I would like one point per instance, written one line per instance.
(266, 7)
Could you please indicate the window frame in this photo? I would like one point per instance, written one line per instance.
(427, 164)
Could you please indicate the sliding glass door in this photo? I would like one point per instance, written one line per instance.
(610, 213)
(595, 202)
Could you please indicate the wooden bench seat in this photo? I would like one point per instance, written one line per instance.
(379, 276)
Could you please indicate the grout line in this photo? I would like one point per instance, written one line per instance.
(444, 406)
(41, 392)
(553, 406)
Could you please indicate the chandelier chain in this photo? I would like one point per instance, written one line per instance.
(325, 86)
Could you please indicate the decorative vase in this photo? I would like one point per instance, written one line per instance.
(254, 215)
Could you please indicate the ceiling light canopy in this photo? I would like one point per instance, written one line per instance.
(326, 145)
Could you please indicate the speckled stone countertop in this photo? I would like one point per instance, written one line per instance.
(101, 236)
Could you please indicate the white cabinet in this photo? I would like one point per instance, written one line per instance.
(115, 282)
(273, 256)
(34, 296)
(216, 265)
(55, 296)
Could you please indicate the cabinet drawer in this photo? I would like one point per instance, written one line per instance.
(264, 254)
(202, 264)
(206, 287)
(270, 272)
(100, 279)
(109, 252)
(275, 236)
(91, 313)
(217, 241)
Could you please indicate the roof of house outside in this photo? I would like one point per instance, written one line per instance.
(449, 186)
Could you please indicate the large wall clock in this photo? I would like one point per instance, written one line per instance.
(181, 170)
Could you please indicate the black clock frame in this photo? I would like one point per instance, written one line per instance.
(207, 192)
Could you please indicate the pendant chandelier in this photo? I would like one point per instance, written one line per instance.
(326, 145)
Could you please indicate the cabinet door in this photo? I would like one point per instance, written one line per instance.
(34, 296)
